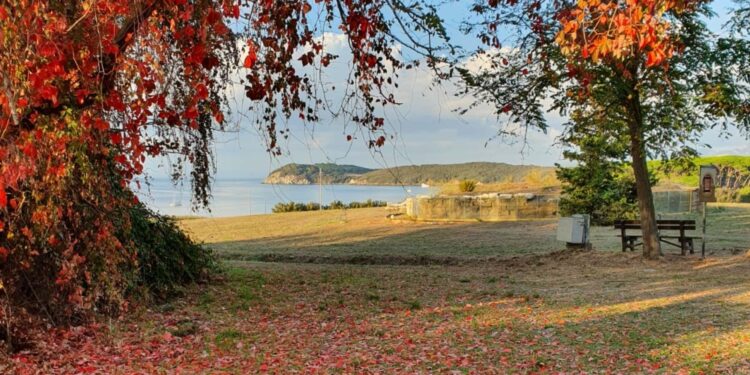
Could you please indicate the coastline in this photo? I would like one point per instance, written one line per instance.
(342, 184)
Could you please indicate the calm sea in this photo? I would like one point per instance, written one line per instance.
(251, 197)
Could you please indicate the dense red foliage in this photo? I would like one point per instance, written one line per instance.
(90, 89)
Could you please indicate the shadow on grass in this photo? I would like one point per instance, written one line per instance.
(423, 245)
(571, 316)
(683, 330)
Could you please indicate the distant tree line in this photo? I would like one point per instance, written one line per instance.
(335, 205)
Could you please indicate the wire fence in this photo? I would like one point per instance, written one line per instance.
(677, 201)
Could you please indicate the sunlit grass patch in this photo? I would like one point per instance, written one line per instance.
(710, 350)
(206, 299)
(581, 313)
(228, 338)
(564, 312)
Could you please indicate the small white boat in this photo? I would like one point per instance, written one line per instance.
(425, 185)
(176, 202)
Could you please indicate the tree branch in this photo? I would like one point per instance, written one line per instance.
(108, 71)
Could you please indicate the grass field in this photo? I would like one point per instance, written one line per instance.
(350, 292)
(365, 236)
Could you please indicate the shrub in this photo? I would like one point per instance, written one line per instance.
(64, 269)
(600, 182)
(367, 204)
(467, 186)
(167, 257)
(64, 247)
(335, 205)
(536, 178)
(743, 195)
(606, 191)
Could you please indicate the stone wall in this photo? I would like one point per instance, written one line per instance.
(486, 207)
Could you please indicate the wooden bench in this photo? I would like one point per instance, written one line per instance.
(678, 227)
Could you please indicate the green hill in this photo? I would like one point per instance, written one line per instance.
(734, 176)
(305, 174)
(484, 172)
(433, 174)
(487, 173)
(689, 177)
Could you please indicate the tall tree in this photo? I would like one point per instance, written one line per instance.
(736, 50)
(651, 65)
(600, 183)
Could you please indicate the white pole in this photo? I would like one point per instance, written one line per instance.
(320, 184)
(703, 240)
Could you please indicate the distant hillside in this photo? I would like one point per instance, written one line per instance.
(485, 173)
(305, 174)
(408, 175)
(689, 178)
(441, 173)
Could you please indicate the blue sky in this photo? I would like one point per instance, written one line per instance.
(425, 129)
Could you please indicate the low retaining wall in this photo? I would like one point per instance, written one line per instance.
(486, 207)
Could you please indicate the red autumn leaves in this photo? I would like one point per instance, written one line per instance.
(251, 56)
(616, 31)
(88, 91)
(286, 50)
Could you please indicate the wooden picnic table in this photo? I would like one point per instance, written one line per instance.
(676, 229)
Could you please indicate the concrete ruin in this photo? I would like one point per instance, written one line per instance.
(485, 207)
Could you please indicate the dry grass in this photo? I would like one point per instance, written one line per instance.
(593, 312)
(365, 234)
(571, 313)
(501, 187)
(508, 302)
(534, 182)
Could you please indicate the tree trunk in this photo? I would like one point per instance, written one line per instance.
(651, 245)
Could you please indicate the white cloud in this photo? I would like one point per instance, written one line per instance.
(425, 128)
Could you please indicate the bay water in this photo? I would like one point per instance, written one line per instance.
(237, 197)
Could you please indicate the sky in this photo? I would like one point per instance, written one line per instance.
(425, 128)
